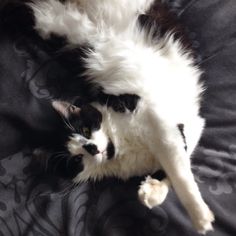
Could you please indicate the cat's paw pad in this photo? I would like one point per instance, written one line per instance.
(204, 223)
(152, 192)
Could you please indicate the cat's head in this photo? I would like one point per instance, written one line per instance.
(87, 138)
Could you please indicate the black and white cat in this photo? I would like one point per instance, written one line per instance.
(134, 48)
(100, 155)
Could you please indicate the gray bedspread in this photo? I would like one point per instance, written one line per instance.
(33, 203)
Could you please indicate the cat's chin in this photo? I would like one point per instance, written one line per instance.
(100, 157)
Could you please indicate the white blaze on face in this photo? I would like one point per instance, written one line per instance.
(75, 145)
(100, 139)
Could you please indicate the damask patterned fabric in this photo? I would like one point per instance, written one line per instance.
(33, 203)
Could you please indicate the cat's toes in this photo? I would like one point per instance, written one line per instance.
(152, 192)
(204, 224)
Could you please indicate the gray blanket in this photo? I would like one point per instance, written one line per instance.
(33, 202)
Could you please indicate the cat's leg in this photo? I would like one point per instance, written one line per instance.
(153, 192)
(168, 146)
(53, 17)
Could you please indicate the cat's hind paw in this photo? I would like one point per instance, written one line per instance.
(204, 224)
(152, 192)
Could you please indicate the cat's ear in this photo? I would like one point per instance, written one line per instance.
(65, 108)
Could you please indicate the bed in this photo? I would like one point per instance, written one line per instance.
(36, 202)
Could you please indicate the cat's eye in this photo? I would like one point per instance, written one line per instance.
(86, 132)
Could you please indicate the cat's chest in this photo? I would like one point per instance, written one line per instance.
(132, 155)
(130, 160)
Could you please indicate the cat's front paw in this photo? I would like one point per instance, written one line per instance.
(152, 192)
(203, 222)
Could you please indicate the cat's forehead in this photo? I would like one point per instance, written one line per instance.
(90, 111)
(88, 116)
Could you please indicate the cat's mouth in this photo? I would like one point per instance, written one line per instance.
(100, 152)
(107, 154)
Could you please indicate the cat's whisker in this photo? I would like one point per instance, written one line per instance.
(107, 100)
(67, 190)
(62, 156)
(60, 152)
(68, 125)
(71, 125)
(65, 121)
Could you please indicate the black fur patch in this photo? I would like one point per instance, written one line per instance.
(110, 150)
(158, 21)
(119, 103)
(91, 149)
(16, 19)
(181, 129)
(65, 69)
(56, 42)
(159, 175)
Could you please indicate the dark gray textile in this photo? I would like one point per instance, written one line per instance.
(35, 203)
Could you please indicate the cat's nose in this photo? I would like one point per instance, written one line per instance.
(91, 149)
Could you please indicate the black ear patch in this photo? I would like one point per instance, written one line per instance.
(119, 103)
(181, 130)
(159, 20)
(91, 117)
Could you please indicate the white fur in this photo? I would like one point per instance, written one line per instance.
(99, 138)
(126, 60)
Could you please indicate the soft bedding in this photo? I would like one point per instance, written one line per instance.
(36, 202)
